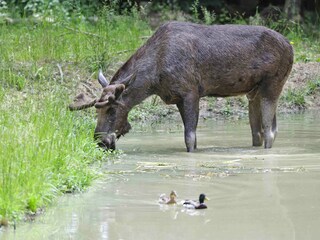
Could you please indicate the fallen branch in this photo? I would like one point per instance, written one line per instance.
(89, 89)
(83, 32)
(123, 51)
(61, 73)
(144, 37)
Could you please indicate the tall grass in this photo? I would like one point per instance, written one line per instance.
(26, 48)
(46, 150)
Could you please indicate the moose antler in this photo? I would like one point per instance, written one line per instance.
(82, 101)
(102, 79)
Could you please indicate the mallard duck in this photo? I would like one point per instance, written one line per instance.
(163, 199)
(196, 204)
(4, 222)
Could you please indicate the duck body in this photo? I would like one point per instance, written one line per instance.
(191, 204)
(163, 199)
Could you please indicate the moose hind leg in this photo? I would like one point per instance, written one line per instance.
(255, 121)
(189, 111)
(269, 121)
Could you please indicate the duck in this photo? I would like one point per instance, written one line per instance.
(4, 222)
(163, 199)
(193, 204)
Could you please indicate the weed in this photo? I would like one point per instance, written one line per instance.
(294, 98)
(227, 110)
(313, 86)
(209, 17)
(195, 12)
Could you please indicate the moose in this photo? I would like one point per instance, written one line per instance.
(182, 62)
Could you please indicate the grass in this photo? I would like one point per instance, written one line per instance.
(294, 98)
(32, 46)
(298, 98)
(45, 150)
(313, 86)
(306, 47)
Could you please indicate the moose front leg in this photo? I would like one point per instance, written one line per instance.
(189, 111)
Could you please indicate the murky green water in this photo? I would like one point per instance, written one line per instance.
(254, 193)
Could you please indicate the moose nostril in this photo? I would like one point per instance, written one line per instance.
(106, 141)
(103, 145)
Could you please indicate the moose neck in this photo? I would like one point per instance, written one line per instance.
(137, 88)
(134, 93)
(133, 97)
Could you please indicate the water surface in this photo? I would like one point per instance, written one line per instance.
(254, 193)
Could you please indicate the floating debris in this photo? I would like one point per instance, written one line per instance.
(235, 167)
(154, 166)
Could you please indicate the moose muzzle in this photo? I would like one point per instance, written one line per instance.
(106, 141)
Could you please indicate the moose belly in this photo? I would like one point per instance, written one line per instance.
(225, 87)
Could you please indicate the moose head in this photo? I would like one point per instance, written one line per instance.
(112, 113)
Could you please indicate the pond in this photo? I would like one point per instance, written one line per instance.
(254, 193)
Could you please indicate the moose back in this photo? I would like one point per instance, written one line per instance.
(182, 62)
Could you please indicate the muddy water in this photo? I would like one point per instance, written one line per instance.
(254, 193)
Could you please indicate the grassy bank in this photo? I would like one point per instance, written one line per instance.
(45, 150)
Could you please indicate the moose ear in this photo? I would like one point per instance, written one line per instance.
(82, 101)
(119, 89)
(102, 79)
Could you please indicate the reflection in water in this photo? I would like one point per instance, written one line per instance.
(255, 193)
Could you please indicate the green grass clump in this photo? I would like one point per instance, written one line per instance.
(294, 98)
(44, 150)
(313, 86)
